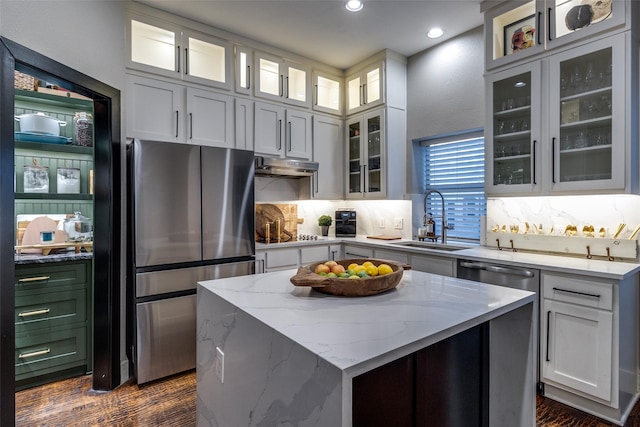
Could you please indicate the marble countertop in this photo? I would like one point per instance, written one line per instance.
(357, 334)
(594, 267)
(58, 257)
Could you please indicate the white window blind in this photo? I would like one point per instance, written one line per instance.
(454, 165)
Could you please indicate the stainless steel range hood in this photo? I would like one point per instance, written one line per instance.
(274, 166)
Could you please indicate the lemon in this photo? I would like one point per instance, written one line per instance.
(352, 266)
(359, 268)
(384, 269)
(367, 264)
(372, 270)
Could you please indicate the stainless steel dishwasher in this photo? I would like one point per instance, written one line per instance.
(527, 279)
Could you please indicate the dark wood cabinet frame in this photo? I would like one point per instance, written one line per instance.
(107, 211)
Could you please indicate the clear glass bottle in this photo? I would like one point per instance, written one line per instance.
(83, 123)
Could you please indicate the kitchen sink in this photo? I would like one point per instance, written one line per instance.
(428, 245)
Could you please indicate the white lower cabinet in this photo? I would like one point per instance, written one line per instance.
(314, 254)
(580, 327)
(281, 258)
(443, 266)
(578, 348)
(397, 256)
(357, 252)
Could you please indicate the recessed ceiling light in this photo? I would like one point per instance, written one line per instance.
(354, 5)
(434, 33)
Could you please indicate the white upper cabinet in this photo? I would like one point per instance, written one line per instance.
(578, 140)
(327, 93)
(243, 69)
(515, 30)
(164, 111)
(159, 47)
(210, 117)
(365, 89)
(328, 151)
(281, 80)
(282, 132)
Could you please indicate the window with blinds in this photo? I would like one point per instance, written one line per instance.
(454, 165)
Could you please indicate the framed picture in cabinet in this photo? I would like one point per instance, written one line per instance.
(520, 35)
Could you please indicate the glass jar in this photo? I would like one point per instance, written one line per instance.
(83, 129)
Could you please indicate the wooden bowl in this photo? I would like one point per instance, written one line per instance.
(306, 276)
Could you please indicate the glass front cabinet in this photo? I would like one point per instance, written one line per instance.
(161, 48)
(365, 159)
(280, 80)
(518, 29)
(579, 143)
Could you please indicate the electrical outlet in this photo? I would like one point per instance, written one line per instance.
(381, 222)
(218, 364)
(398, 223)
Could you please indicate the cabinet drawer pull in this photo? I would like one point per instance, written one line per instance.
(586, 294)
(34, 353)
(553, 160)
(33, 279)
(34, 312)
(549, 21)
(548, 320)
(533, 169)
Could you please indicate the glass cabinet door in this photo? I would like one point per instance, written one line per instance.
(513, 143)
(269, 78)
(513, 32)
(365, 156)
(365, 88)
(153, 46)
(573, 19)
(354, 164)
(374, 171)
(206, 59)
(327, 93)
(296, 82)
(243, 70)
(588, 116)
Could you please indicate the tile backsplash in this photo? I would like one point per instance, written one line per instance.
(371, 214)
(606, 211)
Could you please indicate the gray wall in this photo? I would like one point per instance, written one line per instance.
(87, 36)
(446, 87)
(446, 94)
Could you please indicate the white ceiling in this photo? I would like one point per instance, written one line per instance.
(325, 31)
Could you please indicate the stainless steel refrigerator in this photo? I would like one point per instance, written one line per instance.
(191, 219)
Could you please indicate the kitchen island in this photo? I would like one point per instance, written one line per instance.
(436, 348)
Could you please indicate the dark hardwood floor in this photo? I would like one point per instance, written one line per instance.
(172, 402)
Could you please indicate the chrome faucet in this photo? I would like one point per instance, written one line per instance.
(445, 226)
